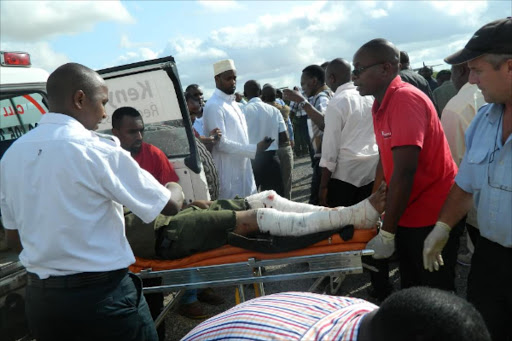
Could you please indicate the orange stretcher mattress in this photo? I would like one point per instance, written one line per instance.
(228, 254)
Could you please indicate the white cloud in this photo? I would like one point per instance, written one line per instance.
(193, 49)
(220, 6)
(378, 13)
(127, 44)
(143, 53)
(40, 20)
(275, 47)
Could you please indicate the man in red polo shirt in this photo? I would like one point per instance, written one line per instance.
(415, 162)
(128, 126)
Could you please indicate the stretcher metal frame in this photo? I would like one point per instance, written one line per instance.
(334, 265)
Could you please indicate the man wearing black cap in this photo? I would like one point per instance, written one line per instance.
(485, 177)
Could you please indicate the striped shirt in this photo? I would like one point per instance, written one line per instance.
(287, 316)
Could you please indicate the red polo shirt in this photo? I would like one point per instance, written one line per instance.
(407, 117)
(156, 163)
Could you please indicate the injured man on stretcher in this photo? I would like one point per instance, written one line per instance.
(206, 225)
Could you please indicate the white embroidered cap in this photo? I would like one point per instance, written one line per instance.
(223, 65)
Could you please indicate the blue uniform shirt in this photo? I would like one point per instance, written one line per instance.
(486, 171)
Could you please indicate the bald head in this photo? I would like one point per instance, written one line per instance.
(68, 79)
(375, 67)
(76, 90)
(337, 73)
(252, 89)
(268, 94)
(382, 50)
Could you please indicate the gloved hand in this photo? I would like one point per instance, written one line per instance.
(176, 192)
(433, 246)
(383, 244)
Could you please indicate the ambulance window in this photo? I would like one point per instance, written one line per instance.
(19, 113)
(169, 136)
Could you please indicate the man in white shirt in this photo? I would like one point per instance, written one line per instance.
(233, 152)
(460, 110)
(64, 213)
(349, 152)
(285, 151)
(264, 121)
(457, 115)
(312, 82)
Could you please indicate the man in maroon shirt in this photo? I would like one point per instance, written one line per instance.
(415, 162)
(128, 126)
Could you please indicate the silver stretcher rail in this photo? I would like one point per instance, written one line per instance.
(346, 262)
(334, 265)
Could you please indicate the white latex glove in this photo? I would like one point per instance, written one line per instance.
(433, 246)
(383, 244)
(176, 192)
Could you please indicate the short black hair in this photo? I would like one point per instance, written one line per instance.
(315, 71)
(444, 75)
(428, 314)
(119, 113)
(404, 57)
(190, 87)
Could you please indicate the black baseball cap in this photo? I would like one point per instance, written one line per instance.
(494, 37)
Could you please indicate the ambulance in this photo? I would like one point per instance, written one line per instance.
(153, 87)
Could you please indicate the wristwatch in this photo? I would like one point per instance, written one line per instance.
(301, 104)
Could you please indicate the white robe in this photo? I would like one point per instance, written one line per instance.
(233, 152)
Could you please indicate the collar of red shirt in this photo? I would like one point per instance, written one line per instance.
(395, 84)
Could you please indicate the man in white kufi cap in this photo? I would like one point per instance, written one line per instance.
(233, 152)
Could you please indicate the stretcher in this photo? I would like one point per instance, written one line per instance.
(229, 265)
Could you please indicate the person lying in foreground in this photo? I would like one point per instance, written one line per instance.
(417, 313)
(205, 225)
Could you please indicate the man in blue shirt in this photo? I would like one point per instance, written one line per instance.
(485, 176)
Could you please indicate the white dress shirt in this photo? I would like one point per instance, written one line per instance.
(349, 150)
(62, 187)
(263, 120)
(233, 152)
(199, 126)
(457, 115)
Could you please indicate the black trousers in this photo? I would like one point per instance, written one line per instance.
(267, 172)
(302, 140)
(156, 304)
(110, 310)
(341, 193)
(409, 248)
(315, 181)
(490, 287)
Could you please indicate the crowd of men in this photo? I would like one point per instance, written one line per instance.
(443, 154)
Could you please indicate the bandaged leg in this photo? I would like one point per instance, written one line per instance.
(270, 199)
(362, 216)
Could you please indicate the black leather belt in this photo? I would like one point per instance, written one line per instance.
(81, 279)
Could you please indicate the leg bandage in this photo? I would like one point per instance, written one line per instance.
(362, 216)
(270, 199)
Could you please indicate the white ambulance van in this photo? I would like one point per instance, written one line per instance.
(22, 103)
(152, 87)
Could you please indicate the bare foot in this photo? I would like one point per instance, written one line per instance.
(378, 199)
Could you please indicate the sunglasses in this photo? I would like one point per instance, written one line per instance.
(357, 72)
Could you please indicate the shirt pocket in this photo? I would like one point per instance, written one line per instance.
(477, 161)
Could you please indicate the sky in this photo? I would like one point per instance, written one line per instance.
(270, 41)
